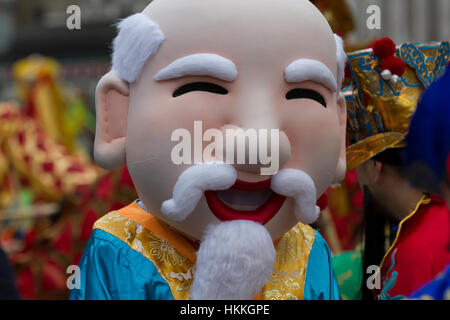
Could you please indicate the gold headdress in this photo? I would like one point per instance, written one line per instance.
(381, 103)
(338, 14)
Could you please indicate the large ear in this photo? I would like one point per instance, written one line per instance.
(342, 115)
(111, 106)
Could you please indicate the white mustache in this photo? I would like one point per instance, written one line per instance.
(298, 185)
(194, 181)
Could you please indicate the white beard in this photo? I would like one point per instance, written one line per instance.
(234, 261)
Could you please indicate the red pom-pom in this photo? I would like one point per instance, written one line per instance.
(384, 48)
(395, 65)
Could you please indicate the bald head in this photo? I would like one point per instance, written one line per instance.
(248, 33)
(229, 64)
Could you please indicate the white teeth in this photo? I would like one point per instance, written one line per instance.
(192, 183)
(244, 199)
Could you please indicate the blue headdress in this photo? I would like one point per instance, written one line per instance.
(428, 140)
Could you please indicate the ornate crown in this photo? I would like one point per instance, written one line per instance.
(386, 86)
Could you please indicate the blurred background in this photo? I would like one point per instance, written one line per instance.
(51, 191)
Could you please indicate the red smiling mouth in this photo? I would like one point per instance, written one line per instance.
(253, 201)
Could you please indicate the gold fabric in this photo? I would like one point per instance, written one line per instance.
(38, 86)
(338, 14)
(371, 146)
(173, 267)
(52, 171)
(378, 110)
(287, 281)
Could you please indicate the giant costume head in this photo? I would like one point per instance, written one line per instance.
(184, 68)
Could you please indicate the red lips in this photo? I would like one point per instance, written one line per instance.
(245, 185)
(262, 214)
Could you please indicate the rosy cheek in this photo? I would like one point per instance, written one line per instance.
(314, 137)
(155, 118)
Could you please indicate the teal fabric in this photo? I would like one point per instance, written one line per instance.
(320, 283)
(347, 267)
(111, 270)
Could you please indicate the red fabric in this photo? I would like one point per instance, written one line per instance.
(48, 166)
(88, 222)
(357, 200)
(322, 202)
(347, 73)
(21, 137)
(345, 207)
(41, 266)
(351, 179)
(25, 283)
(76, 258)
(54, 276)
(125, 178)
(63, 242)
(104, 190)
(29, 239)
(421, 250)
(116, 206)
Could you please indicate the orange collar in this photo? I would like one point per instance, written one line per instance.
(158, 227)
(185, 246)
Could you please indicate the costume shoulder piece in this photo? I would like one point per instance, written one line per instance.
(287, 281)
(132, 226)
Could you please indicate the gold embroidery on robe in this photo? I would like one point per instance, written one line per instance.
(173, 267)
(286, 283)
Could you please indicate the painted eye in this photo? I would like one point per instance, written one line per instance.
(306, 94)
(200, 86)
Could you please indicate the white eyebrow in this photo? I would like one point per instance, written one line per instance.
(310, 70)
(201, 64)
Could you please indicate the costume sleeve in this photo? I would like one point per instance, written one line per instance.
(437, 289)
(110, 269)
(320, 283)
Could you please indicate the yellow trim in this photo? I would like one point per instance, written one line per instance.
(287, 281)
(387, 111)
(173, 266)
(161, 229)
(422, 201)
(365, 149)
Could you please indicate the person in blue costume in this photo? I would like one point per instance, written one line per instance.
(428, 159)
(207, 224)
